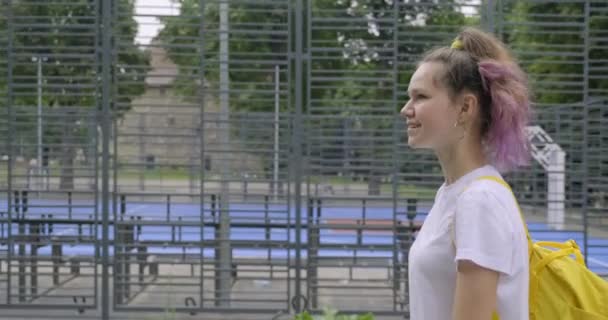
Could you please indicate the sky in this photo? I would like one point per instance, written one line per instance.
(150, 26)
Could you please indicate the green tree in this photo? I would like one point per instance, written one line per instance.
(68, 37)
(352, 47)
(598, 51)
(369, 46)
(368, 52)
(553, 51)
(3, 95)
(3, 59)
(252, 55)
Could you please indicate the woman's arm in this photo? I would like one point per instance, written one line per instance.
(475, 296)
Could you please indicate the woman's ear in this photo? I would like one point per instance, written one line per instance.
(470, 107)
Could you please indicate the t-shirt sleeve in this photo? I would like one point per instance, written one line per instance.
(482, 232)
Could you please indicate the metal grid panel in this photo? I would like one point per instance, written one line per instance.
(350, 143)
(53, 74)
(568, 36)
(597, 141)
(597, 184)
(546, 37)
(598, 46)
(201, 161)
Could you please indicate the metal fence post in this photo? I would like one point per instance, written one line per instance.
(106, 65)
(586, 105)
(297, 148)
(9, 142)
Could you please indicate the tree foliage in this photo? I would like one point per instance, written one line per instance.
(66, 36)
(550, 41)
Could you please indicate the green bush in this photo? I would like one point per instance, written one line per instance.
(331, 314)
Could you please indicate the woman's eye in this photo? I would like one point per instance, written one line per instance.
(421, 96)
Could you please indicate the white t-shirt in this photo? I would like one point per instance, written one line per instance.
(481, 224)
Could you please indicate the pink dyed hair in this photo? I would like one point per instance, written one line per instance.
(506, 140)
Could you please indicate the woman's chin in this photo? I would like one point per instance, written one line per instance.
(412, 143)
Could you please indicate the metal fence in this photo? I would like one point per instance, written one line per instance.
(246, 157)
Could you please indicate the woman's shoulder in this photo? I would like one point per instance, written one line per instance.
(486, 188)
(488, 198)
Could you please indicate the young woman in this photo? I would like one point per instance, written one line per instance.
(469, 103)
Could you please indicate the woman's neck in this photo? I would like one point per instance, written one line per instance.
(460, 159)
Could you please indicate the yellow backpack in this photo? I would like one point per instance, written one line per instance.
(561, 288)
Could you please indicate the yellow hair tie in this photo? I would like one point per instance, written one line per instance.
(457, 44)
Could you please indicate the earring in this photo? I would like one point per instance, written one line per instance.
(463, 130)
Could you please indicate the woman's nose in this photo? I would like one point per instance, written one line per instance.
(407, 111)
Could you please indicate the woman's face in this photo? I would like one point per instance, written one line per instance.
(430, 112)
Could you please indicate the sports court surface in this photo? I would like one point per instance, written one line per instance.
(175, 228)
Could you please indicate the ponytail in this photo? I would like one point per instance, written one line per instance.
(506, 140)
